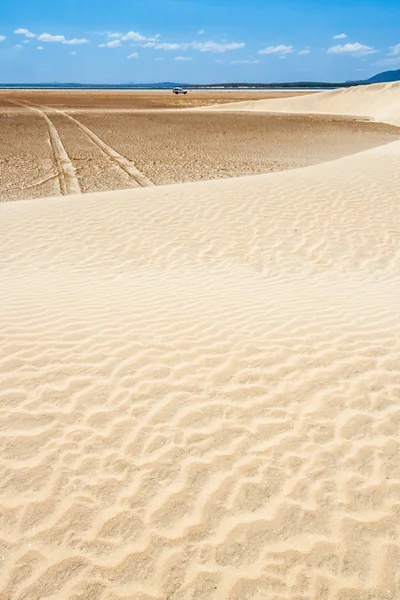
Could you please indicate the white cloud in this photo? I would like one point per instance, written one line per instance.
(47, 37)
(159, 58)
(183, 58)
(201, 32)
(113, 44)
(282, 49)
(304, 52)
(215, 46)
(25, 32)
(340, 36)
(73, 53)
(26, 41)
(209, 46)
(76, 41)
(218, 60)
(40, 48)
(134, 36)
(164, 46)
(2, 38)
(356, 49)
(18, 46)
(245, 62)
(395, 50)
(101, 45)
(133, 55)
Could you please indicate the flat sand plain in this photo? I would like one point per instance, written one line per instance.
(58, 143)
(200, 385)
(137, 99)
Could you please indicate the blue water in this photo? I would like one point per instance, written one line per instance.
(77, 86)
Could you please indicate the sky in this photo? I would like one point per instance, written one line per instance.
(197, 41)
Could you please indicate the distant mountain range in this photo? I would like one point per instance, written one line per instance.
(385, 77)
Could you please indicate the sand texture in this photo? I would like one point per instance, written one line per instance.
(98, 142)
(379, 101)
(129, 100)
(199, 389)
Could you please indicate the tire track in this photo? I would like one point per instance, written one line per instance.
(32, 185)
(125, 164)
(68, 181)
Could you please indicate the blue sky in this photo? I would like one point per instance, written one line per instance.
(119, 41)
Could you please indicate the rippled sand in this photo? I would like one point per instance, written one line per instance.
(200, 389)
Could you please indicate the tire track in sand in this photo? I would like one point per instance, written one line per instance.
(140, 179)
(68, 181)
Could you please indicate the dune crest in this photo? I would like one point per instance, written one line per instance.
(380, 102)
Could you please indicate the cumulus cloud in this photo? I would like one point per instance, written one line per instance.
(209, 46)
(25, 32)
(216, 47)
(76, 41)
(201, 32)
(132, 36)
(305, 51)
(26, 41)
(18, 46)
(340, 36)
(133, 55)
(39, 48)
(48, 37)
(245, 62)
(2, 38)
(282, 49)
(60, 39)
(73, 53)
(356, 49)
(165, 46)
(159, 58)
(113, 44)
(394, 50)
(183, 58)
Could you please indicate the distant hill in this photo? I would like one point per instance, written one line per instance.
(384, 77)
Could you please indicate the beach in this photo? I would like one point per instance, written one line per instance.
(200, 381)
(77, 142)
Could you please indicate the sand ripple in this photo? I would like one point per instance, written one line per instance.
(200, 389)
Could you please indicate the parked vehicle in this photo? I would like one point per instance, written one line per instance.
(179, 90)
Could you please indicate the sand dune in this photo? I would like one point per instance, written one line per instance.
(75, 143)
(199, 391)
(380, 102)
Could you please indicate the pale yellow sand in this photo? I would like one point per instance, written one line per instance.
(380, 102)
(200, 389)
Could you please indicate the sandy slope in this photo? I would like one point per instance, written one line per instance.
(380, 102)
(64, 153)
(200, 389)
